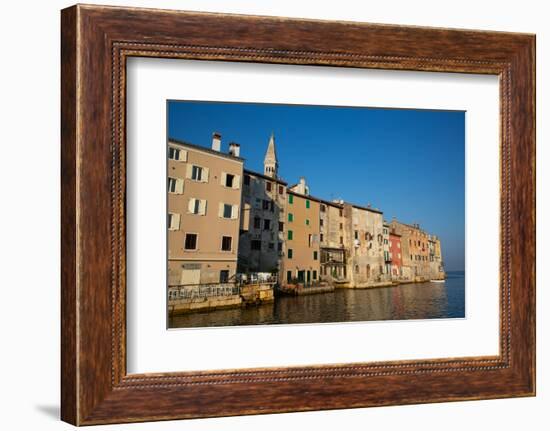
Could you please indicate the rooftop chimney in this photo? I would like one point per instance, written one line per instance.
(234, 149)
(216, 141)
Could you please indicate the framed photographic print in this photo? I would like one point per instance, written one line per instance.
(266, 215)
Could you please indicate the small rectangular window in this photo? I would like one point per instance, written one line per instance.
(341, 240)
(256, 244)
(173, 221)
(356, 234)
(323, 208)
(321, 222)
(172, 185)
(257, 222)
(271, 246)
(224, 276)
(289, 235)
(196, 206)
(267, 224)
(288, 276)
(281, 226)
(314, 255)
(265, 204)
(173, 153)
(290, 199)
(191, 241)
(281, 190)
(289, 254)
(290, 217)
(226, 243)
(196, 173)
(314, 275)
(321, 237)
(268, 186)
(227, 210)
(341, 226)
(229, 178)
(307, 222)
(280, 246)
(307, 203)
(175, 185)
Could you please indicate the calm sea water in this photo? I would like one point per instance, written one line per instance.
(407, 301)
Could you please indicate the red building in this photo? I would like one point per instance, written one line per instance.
(395, 254)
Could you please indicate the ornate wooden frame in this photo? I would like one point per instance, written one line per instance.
(95, 42)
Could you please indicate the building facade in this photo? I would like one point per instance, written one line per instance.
(226, 222)
(261, 244)
(395, 255)
(331, 242)
(204, 199)
(420, 252)
(386, 251)
(365, 242)
(301, 263)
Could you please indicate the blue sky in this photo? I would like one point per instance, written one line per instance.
(407, 163)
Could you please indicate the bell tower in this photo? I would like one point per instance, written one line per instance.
(270, 160)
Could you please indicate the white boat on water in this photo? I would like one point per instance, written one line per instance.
(437, 281)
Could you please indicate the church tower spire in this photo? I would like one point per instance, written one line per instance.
(270, 160)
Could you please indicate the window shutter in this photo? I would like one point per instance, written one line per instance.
(189, 172)
(179, 186)
(220, 210)
(191, 205)
(235, 211)
(183, 156)
(205, 172)
(223, 178)
(175, 221)
(237, 182)
(202, 207)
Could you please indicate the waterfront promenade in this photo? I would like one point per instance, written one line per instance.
(401, 302)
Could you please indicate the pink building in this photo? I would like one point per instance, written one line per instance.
(395, 255)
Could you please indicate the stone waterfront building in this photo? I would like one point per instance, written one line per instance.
(331, 241)
(204, 200)
(364, 226)
(418, 264)
(386, 251)
(225, 222)
(261, 244)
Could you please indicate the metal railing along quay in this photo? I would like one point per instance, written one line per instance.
(193, 291)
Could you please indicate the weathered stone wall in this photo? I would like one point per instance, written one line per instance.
(260, 203)
(366, 245)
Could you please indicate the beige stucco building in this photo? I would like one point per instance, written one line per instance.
(204, 200)
(301, 260)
